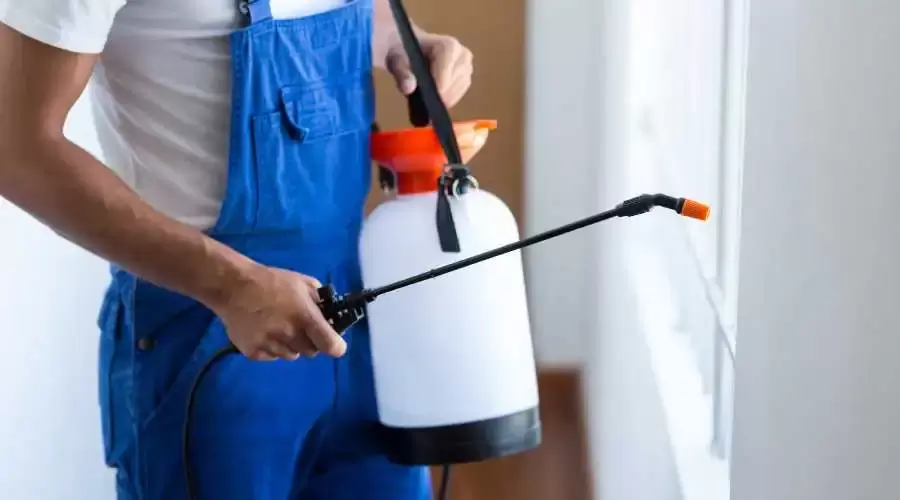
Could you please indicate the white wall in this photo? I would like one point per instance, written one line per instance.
(818, 377)
(561, 165)
(49, 298)
(582, 304)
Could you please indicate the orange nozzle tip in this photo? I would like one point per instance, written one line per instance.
(695, 210)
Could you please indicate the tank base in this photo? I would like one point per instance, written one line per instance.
(464, 443)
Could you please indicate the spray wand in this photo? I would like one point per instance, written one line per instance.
(343, 311)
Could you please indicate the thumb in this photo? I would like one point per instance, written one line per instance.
(398, 66)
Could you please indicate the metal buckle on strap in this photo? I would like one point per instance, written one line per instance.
(255, 10)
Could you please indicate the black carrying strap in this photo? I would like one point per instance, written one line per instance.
(426, 106)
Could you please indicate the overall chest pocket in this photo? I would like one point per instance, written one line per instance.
(312, 156)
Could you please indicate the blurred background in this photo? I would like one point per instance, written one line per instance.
(781, 114)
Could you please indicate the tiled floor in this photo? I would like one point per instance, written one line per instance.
(556, 471)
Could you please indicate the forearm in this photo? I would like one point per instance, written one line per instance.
(70, 191)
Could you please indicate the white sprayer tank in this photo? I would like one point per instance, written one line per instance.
(454, 367)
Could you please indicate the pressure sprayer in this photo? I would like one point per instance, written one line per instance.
(454, 368)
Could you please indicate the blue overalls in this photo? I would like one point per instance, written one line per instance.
(298, 176)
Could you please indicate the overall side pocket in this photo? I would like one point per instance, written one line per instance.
(174, 376)
(162, 429)
(114, 381)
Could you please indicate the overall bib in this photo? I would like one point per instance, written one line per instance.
(298, 175)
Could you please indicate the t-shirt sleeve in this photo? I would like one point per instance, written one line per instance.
(80, 26)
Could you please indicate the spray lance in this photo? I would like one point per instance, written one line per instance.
(343, 311)
(485, 439)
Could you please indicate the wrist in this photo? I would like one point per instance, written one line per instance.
(225, 273)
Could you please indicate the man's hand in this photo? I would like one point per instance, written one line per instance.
(451, 65)
(273, 313)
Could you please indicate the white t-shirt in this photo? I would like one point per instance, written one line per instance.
(162, 91)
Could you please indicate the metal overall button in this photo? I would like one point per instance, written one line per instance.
(145, 344)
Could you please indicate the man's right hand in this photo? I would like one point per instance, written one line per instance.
(274, 314)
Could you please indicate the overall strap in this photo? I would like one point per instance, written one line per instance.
(255, 10)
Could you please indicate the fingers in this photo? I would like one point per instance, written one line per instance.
(281, 351)
(313, 283)
(262, 355)
(298, 342)
(398, 65)
(314, 331)
(451, 64)
(313, 292)
(288, 326)
(275, 347)
(323, 336)
(288, 344)
(455, 93)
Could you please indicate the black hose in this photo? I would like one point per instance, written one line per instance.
(189, 477)
(444, 492)
(186, 427)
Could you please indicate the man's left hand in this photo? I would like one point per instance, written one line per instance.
(450, 61)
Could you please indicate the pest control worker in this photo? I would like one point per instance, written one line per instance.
(237, 136)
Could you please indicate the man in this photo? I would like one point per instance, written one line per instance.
(237, 140)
